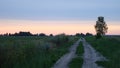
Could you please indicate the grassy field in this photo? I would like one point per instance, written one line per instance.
(108, 47)
(33, 51)
(78, 61)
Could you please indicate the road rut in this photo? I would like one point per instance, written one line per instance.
(90, 56)
(64, 60)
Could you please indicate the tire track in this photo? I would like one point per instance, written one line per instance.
(90, 56)
(64, 60)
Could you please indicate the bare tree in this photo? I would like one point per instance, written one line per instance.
(100, 27)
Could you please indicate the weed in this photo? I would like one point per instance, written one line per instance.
(109, 47)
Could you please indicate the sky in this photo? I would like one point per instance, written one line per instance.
(58, 16)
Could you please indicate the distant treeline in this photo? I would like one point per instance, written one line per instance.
(21, 33)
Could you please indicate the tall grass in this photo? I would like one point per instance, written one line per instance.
(77, 61)
(110, 48)
(32, 51)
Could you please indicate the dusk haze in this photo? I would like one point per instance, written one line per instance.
(58, 16)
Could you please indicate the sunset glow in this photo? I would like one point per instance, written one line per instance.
(54, 27)
(58, 16)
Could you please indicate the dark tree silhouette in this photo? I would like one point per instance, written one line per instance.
(89, 34)
(82, 34)
(42, 34)
(100, 27)
(51, 35)
(77, 34)
(21, 33)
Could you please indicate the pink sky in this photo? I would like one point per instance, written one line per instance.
(55, 27)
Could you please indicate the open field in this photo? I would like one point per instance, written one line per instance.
(108, 47)
(44, 51)
(33, 51)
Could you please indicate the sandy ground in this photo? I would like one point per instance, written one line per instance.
(90, 56)
(64, 60)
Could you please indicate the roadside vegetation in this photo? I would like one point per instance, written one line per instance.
(78, 60)
(33, 51)
(108, 46)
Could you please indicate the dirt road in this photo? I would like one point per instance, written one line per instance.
(64, 60)
(90, 56)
